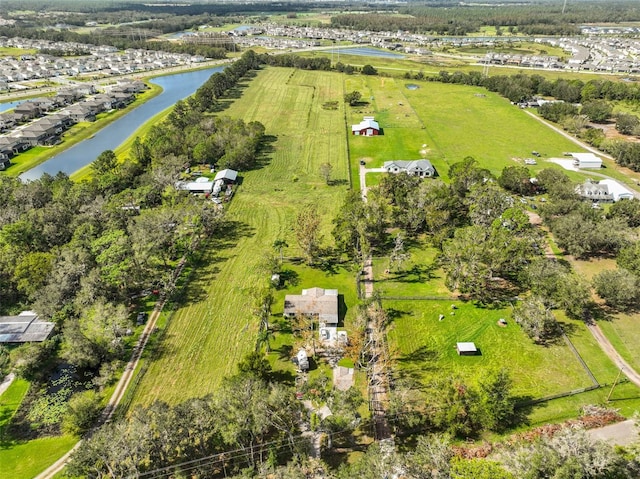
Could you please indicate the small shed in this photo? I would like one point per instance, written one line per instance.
(466, 349)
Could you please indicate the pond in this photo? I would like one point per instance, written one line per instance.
(10, 105)
(412, 86)
(175, 87)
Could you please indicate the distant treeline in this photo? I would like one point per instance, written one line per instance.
(530, 19)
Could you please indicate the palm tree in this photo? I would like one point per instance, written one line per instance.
(279, 245)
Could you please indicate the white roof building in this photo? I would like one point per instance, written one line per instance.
(616, 190)
(586, 160)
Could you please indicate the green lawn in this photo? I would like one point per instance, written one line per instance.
(419, 276)
(426, 347)
(10, 400)
(27, 460)
(623, 332)
(214, 329)
(24, 460)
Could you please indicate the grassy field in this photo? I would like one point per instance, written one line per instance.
(453, 121)
(419, 276)
(20, 460)
(214, 329)
(426, 348)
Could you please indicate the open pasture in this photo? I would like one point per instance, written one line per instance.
(214, 328)
(453, 121)
(426, 347)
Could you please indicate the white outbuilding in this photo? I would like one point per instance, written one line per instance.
(586, 160)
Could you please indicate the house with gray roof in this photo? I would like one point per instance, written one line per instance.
(421, 168)
(24, 328)
(316, 303)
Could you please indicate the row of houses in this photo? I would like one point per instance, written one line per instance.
(51, 116)
(106, 60)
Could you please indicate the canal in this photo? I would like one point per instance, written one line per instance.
(174, 87)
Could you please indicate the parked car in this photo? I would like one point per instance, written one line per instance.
(141, 318)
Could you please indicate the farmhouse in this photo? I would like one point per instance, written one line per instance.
(617, 191)
(466, 349)
(317, 303)
(421, 168)
(367, 127)
(26, 327)
(586, 160)
(603, 191)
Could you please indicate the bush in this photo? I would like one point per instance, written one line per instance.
(83, 410)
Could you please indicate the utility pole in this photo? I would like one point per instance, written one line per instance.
(614, 384)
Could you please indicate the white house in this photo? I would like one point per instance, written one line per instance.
(421, 168)
(586, 160)
(617, 191)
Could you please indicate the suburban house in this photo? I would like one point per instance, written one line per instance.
(367, 127)
(421, 168)
(316, 303)
(586, 160)
(5, 162)
(28, 109)
(604, 191)
(24, 328)
(12, 145)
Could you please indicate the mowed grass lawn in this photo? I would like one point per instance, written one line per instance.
(453, 121)
(28, 458)
(209, 335)
(427, 347)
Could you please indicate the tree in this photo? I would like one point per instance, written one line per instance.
(618, 287)
(255, 364)
(369, 70)
(516, 179)
(629, 258)
(598, 111)
(5, 361)
(352, 97)
(628, 210)
(499, 402)
(279, 245)
(325, 172)
(307, 228)
(431, 458)
(83, 410)
(106, 163)
(570, 453)
(399, 255)
(467, 173)
(627, 124)
(574, 124)
(478, 469)
(537, 321)
(456, 407)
